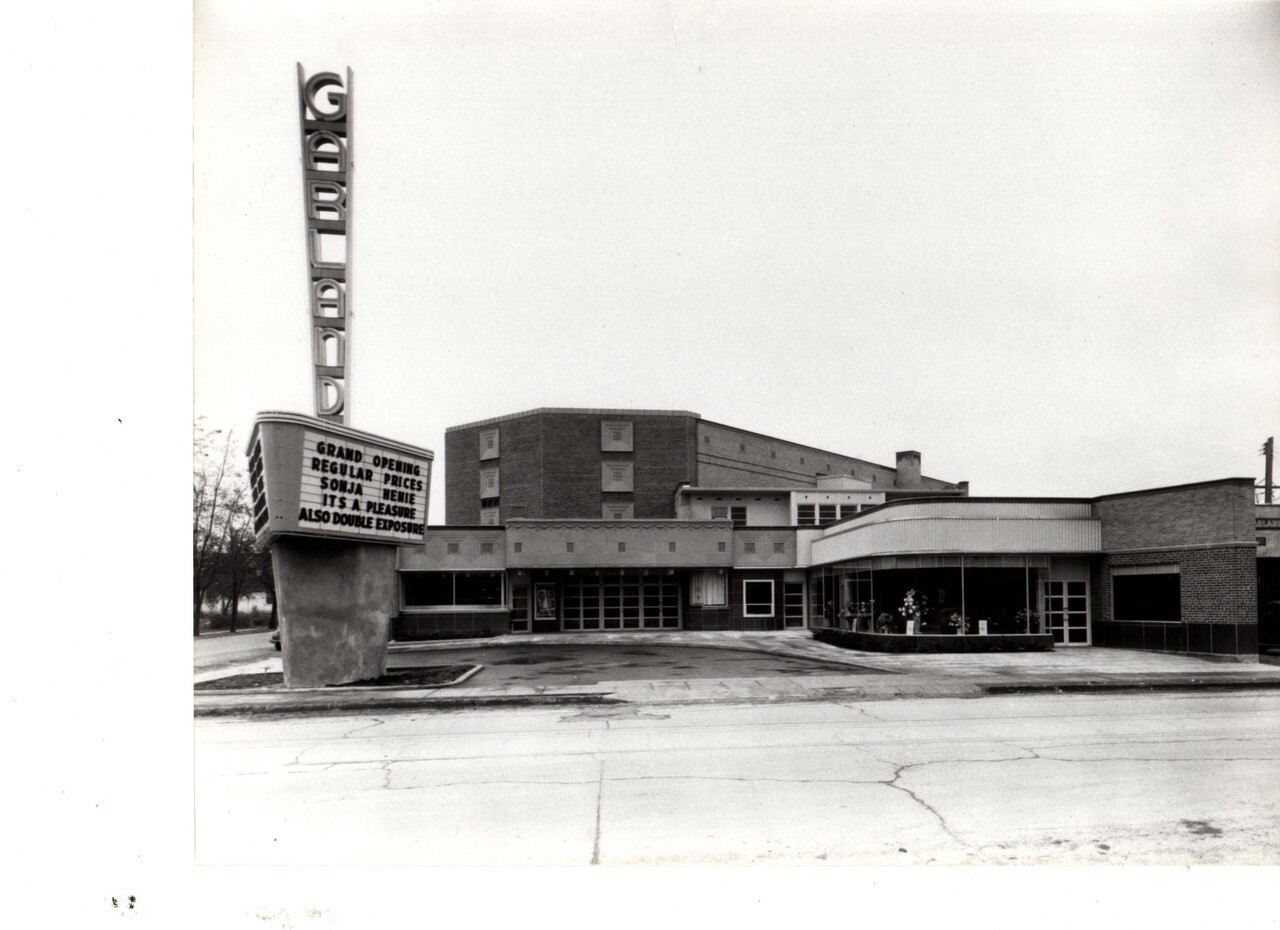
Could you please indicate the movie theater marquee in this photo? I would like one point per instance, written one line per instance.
(313, 479)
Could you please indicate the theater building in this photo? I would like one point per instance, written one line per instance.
(578, 521)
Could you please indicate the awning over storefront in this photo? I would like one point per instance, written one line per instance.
(963, 525)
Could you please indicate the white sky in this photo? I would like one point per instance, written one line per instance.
(1037, 244)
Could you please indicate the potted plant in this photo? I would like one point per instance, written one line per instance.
(1028, 620)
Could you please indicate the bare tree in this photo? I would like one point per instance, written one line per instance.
(218, 492)
(237, 572)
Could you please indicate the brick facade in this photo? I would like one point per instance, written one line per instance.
(550, 464)
(1207, 531)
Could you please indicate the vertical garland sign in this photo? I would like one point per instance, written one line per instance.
(324, 105)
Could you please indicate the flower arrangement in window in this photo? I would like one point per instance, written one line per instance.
(884, 623)
(956, 623)
(914, 604)
(862, 619)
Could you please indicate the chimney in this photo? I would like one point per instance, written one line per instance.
(907, 474)
(964, 488)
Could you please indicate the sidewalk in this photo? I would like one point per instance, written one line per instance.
(872, 676)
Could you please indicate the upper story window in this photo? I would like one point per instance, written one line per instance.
(488, 444)
(826, 514)
(738, 515)
(806, 515)
(616, 436)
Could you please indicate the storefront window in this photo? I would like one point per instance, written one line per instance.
(1152, 595)
(452, 589)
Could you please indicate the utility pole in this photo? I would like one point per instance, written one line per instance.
(1269, 452)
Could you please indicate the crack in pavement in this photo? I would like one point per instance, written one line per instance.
(595, 848)
(377, 722)
(942, 821)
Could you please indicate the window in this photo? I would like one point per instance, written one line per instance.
(848, 510)
(707, 589)
(779, 547)
(757, 598)
(826, 514)
(622, 547)
(1147, 594)
(738, 515)
(452, 589)
(720, 546)
(749, 546)
(719, 513)
(451, 548)
(568, 547)
(486, 548)
(671, 547)
(806, 515)
(518, 547)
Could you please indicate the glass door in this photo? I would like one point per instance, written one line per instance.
(1066, 612)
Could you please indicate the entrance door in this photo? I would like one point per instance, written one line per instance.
(1066, 612)
(623, 600)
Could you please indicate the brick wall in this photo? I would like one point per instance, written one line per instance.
(550, 465)
(1208, 514)
(411, 626)
(1218, 589)
(1205, 529)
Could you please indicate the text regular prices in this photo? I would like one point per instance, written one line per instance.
(353, 487)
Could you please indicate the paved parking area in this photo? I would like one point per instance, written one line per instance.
(587, 664)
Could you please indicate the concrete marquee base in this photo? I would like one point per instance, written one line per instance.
(335, 602)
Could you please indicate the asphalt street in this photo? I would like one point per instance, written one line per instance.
(1185, 778)
(229, 649)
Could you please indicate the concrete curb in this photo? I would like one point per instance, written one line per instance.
(286, 705)
(1090, 687)
(346, 689)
